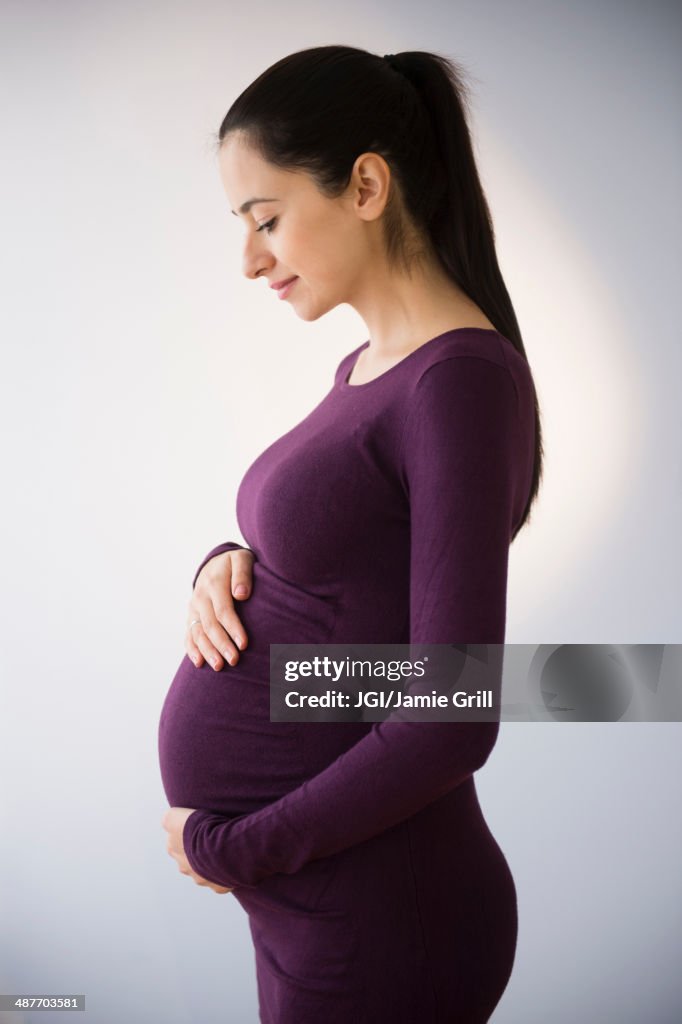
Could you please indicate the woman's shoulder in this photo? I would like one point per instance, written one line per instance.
(441, 357)
(472, 343)
(471, 367)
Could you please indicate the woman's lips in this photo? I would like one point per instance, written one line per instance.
(286, 288)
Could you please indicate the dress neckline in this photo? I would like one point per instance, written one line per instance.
(345, 386)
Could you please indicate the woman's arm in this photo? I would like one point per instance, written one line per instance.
(229, 545)
(462, 462)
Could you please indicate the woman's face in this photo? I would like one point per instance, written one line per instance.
(295, 231)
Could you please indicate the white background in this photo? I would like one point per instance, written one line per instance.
(142, 374)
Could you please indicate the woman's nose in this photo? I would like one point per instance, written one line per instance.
(256, 259)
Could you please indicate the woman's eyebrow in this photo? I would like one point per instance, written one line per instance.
(245, 207)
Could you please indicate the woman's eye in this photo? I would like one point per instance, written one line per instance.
(268, 225)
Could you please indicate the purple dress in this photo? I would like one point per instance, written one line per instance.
(374, 888)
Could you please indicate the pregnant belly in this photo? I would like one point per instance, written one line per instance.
(218, 749)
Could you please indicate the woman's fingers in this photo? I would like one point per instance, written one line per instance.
(214, 632)
(190, 646)
(217, 888)
(215, 644)
(184, 869)
(210, 885)
(242, 573)
(198, 646)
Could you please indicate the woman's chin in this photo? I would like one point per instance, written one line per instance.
(312, 313)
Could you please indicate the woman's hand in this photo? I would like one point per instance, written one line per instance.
(219, 634)
(174, 821)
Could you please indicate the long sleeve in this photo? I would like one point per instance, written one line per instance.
(229, 545)
(460, 464)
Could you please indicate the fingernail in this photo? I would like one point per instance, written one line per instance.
(240, 591)
(239, 640)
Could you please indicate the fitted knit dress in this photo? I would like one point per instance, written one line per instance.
(374, 889)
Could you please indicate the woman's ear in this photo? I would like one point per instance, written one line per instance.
(370, 185)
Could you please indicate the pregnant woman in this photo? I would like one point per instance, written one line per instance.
(374, 889)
